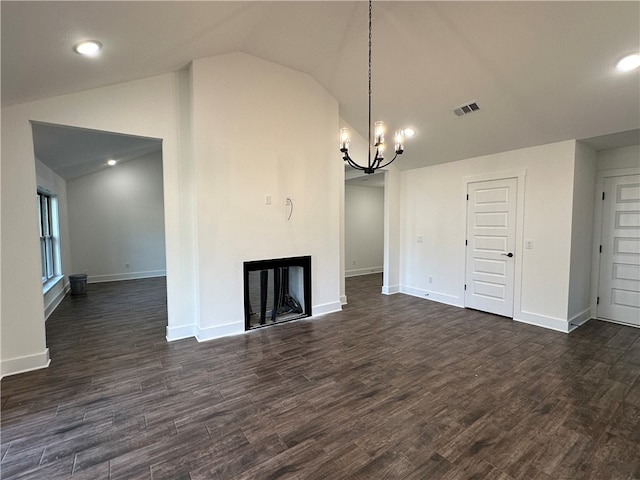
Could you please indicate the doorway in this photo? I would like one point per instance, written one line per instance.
(619, 278)
(111, 214)
(364, 224)
(491, 246)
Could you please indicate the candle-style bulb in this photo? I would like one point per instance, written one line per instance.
(345, 140)
(378, 133)
(399, 141)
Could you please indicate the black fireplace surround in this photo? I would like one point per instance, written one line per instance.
(276, 290)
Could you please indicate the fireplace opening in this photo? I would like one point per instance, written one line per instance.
(276, 291)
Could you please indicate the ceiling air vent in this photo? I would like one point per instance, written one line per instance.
(466, 109)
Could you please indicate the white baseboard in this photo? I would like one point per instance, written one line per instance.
(218, 331)
(363, 271)
(579, 319)
(116, 277)
(343, 299)
(390, 290)
(180, 332)
(552, 323)
(13, 366)
(53, 303)
(326, 308)
(447, 299)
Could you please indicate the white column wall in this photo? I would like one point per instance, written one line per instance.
(434, 207)
(392, 230)
(261, 130)
(582, 234)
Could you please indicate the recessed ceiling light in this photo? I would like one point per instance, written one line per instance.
(628, 63)
(409, 132)
(88, 48)
(111, 162)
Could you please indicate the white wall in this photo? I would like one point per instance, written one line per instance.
(627, 157)
(364, 229)
(234, 129)
(116, 218)
(52, 182)
(584, 182)
(392, 230)
(152, 108)
(258, 131)
(433, 206)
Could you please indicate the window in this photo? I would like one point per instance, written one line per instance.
(49, 251)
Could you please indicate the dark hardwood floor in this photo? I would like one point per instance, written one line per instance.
(392, 387)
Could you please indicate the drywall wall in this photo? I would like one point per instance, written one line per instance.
(52, 182)
(234, 129)
(584, 182)
(392, 229)
(262, 131)
(116, 219)
(627, 157)
(152, 107)
(364, 229)
(433, 207)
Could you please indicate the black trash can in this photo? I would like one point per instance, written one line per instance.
(78, 284)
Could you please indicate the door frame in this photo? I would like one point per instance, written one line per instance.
(520, 176)
(597, 230)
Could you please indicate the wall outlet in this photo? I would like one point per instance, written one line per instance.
(528, 243)
(126, 265)
(419, 239)
(267, 199)
(354, 262)
(430, 279)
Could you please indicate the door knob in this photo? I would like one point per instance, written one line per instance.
(507, 254)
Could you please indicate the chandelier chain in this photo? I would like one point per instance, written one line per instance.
(376, 162)
(369, 157)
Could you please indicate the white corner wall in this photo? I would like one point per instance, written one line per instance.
(153, 107)
(392, 230)
(584, 181)
(364, 230)
(116, 218)
(433, 207)
(261, 130)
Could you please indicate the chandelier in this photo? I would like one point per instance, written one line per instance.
(378, 138)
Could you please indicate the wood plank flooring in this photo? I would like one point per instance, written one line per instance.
(392, 387)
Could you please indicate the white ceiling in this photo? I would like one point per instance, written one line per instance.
(73, 152)
(540, 71)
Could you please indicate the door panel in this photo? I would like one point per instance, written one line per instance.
(619, 287)
(491, 222)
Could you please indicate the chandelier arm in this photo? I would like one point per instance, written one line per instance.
(389, 162)
(353, 164)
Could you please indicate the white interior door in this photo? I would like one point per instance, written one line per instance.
(491, 234)
(619, 288)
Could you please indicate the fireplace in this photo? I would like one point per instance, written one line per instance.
(276, 291)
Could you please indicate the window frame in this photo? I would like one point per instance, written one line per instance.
(49, 237)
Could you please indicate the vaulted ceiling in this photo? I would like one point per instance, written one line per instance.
(540, 71)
